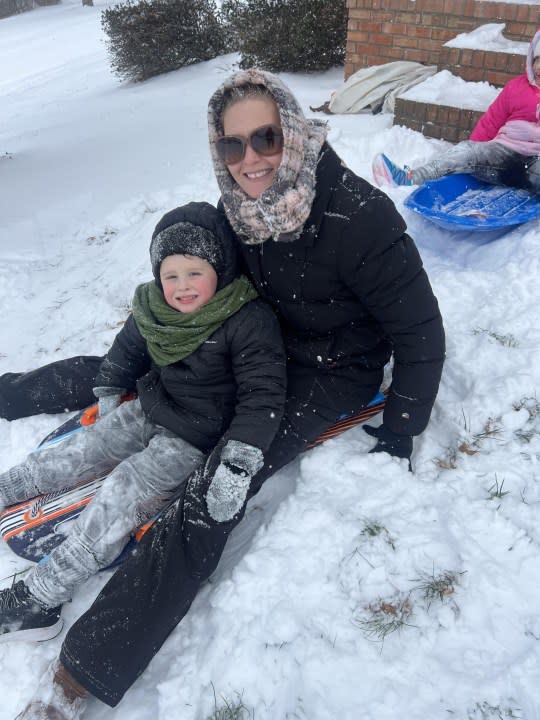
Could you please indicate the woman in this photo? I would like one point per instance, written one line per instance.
(504, 146)
(330, 254)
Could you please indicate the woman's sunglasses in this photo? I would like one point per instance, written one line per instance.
(266, 140)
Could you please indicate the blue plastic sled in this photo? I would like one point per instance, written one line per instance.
(461, 202)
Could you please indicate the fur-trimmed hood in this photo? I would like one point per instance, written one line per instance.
(534, 51)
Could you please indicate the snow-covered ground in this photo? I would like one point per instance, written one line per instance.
(444, 563)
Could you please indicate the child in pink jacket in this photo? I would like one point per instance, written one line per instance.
(503, 148)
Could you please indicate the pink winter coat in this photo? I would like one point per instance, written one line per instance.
(513, 119)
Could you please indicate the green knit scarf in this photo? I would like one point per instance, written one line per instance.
(172, 335)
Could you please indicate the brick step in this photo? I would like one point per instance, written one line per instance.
(466, 65)
(496, 68)
(444, 106)
(379, 32)
(443, 122)
(433, 32)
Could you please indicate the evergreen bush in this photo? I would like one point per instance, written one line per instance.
(150, 37)
(287, 35)
(12, 7)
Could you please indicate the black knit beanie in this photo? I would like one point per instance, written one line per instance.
(194, 229)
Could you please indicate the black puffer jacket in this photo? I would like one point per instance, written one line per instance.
(349, 292)
(232, 387)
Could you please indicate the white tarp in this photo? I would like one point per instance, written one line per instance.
(376, 88)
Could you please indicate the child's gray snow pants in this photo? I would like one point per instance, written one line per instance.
(489, 161)
(148, 464)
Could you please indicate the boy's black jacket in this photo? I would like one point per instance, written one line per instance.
(233, 386)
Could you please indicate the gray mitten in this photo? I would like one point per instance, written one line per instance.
(229, 487)
(109, 398)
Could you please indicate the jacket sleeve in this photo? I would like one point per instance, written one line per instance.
(494, 118)
(259, 367)
(126, 361)
(383, 268)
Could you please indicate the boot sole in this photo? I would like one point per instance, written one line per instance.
(381, 173)
(34, 634)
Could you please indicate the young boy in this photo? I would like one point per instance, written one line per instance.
(207, 361)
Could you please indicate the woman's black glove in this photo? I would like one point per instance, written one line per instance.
(399, 446)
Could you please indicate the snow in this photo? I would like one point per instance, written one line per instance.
(445, 88)
(341, 546)
(489, 37)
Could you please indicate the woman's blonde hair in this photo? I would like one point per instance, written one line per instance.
(233, 95)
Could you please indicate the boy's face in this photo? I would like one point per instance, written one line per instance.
(189, 282)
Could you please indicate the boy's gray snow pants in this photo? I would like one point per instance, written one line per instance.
(148, 464)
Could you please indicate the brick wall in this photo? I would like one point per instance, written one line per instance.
(380, 31)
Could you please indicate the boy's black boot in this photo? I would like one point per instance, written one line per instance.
(23, 618)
